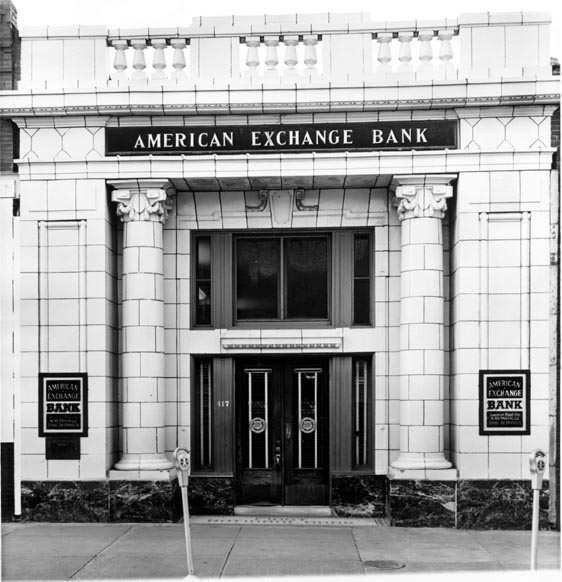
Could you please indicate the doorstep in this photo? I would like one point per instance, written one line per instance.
(284, 510)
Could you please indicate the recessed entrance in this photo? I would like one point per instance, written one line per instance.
(282, 431)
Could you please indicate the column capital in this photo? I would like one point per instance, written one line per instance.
(422, 195)
(142, 200)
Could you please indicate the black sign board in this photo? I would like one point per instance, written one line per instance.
(306, 137)
(63, 405)
(62, 448)
(505, 402)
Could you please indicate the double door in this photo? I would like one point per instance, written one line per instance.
(281, 431)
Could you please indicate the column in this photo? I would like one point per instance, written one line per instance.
(421, 202)
(142, 206)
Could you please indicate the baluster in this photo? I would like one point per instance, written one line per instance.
(405, 52)
(383, 56)
(159, 60)
(426, 54)
(252, 57)
(120, 61)
(310, 57)
(446, 52)
(271, 58)
(139, 63)
(291, 58)
(178, 59)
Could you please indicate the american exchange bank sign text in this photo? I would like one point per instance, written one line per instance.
(418, 135)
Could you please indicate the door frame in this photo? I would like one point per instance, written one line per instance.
(284, 366)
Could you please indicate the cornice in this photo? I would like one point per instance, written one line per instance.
(249, 108)
(236, 100)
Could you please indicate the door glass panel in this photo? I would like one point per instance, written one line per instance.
(258, 418)
(307, 277)
(307, 418)
(257, 278)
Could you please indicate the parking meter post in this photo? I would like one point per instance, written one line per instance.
(183, 466)
(187, 532)
(537, 466)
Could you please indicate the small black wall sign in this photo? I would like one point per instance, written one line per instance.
(505, 402)
(386, 135)
(63, 404)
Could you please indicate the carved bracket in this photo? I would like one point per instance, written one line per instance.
(299, 197)
(263, 198)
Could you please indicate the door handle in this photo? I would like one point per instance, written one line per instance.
(277, 455)
(288, 430)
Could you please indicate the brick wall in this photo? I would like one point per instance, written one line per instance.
(9, 75)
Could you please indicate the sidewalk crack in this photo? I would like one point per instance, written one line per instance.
(357, 550)
(229, 552)
(100, 552)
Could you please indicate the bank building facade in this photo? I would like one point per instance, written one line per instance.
(318, 251)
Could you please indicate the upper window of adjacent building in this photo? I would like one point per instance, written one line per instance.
(279, 278)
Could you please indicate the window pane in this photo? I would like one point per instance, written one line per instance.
(361, 256)
(360, 412)
(203, 280)
(307, 277)
(257, 278)
(203, 268)
(204, 400)
(361, 301)
(203, 311)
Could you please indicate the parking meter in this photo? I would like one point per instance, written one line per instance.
(537, 465)
(183, 466)
(182, 463)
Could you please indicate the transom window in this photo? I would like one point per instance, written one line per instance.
(282, 278)
(311, 279)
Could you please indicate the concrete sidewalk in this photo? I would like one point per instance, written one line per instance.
(49, 551)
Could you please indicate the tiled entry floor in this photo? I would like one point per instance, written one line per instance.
(288, 520)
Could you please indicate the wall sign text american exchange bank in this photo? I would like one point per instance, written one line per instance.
(505, 400)
(63, 404)
(413, 135)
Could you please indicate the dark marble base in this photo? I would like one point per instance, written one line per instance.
(499, 505)
(462, 504)
(359, 495)
(211, 495)
(100, 501)
(139, 501)
(65, 501)
(422, 503)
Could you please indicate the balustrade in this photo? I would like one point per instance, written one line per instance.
(341, 48)
(397, 54)
(261, 62)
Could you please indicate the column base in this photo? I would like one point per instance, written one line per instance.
(166, 475)
(422, 466)
(144, 462)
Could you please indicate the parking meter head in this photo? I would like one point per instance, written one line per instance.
(183, 465)
(537, 465)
